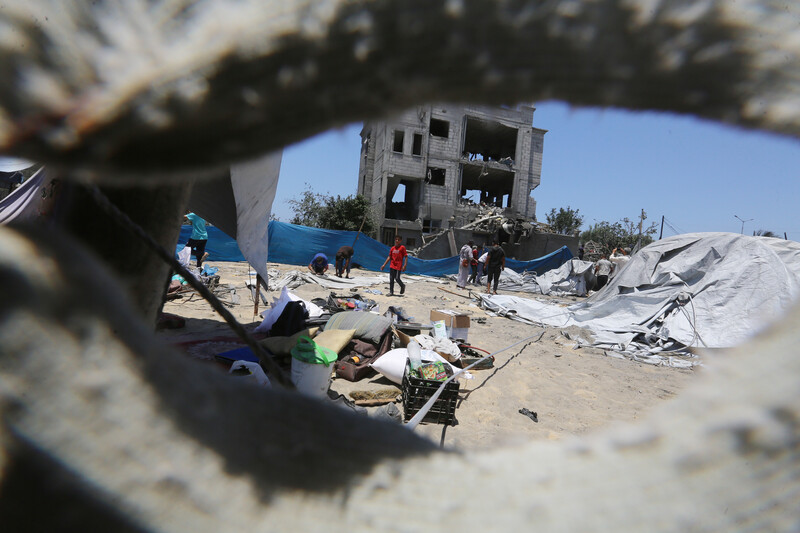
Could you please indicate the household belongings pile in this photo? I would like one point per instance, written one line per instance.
(708, 290)
(355, 344)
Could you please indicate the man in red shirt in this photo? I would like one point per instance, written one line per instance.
(399, 259)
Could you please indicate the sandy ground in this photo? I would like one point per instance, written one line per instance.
(572, 391)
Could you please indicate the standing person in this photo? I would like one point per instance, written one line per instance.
(580, 252)
(199, 238)
(482, 265)
(495, 263)
(464, 258)
(319, 264)
(603, 269)
(399, 260)
(474, 265)
(343, 257)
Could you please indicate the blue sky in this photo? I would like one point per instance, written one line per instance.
(610, 164)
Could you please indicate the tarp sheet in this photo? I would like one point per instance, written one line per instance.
(239, 203)
(296, 245)
(702, 290)
(25, 201)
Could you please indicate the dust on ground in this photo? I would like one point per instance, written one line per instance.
(572, 391)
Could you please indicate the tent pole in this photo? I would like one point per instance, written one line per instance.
(360, 228)
(258, 294)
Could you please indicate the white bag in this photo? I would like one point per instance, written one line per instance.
(184, 256)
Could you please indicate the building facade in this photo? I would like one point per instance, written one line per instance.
(439, 166)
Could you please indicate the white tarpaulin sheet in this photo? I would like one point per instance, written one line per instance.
(26, 201)
(240, 202)
(700, 290)
(573, 277)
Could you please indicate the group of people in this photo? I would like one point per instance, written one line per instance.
(492, 261)
(604, 267)
(344, 256)
(473, 263)
(397, 259)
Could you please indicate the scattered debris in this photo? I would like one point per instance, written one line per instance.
(530, 414)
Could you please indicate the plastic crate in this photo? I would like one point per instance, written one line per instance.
(417, 392)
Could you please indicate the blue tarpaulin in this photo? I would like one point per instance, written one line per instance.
(296, 245)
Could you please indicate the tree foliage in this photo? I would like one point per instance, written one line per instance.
(624, 233)
(764, 233)
(329, 212)
(566, 221)
(307, 208)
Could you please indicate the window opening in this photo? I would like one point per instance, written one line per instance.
(417, 147)
(431, 226)
(488, 140)
(436, 176)
(440, 128)
(399, 136)
(402, 198)
(486, 185)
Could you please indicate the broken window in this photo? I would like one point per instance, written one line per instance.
(431, 226)
(490, 140)
(436, 176)
(483, 184)
(399, 136)
(402, 198)
(440, 128)
(416, 149)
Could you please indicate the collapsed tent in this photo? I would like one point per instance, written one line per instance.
(696, 290)
(30, 200)
(573, 277)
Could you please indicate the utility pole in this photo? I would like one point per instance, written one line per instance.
(743, 221)
(641, 221)
(662, 228)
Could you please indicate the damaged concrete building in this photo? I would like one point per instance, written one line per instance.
(470, 169)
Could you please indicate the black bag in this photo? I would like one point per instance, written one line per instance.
(292, 319)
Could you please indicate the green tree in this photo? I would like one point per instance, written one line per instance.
(764, 233)
(347, 214)
(308, 208)
(339, 213)
(624, 233)
(566, 221)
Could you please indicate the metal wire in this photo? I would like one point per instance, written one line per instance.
(417, 418)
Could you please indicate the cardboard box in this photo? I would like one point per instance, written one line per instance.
(457, 323)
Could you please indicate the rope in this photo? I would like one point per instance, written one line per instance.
(114, 212)
(417, 418)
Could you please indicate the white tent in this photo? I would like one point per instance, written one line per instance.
(697, 290)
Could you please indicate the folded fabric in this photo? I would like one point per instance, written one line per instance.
(334, 339)
(369, 326)
(445, 347)
(284, 345)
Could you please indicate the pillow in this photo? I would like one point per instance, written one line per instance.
(284, 345)
(369, 327)
(334, 339)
